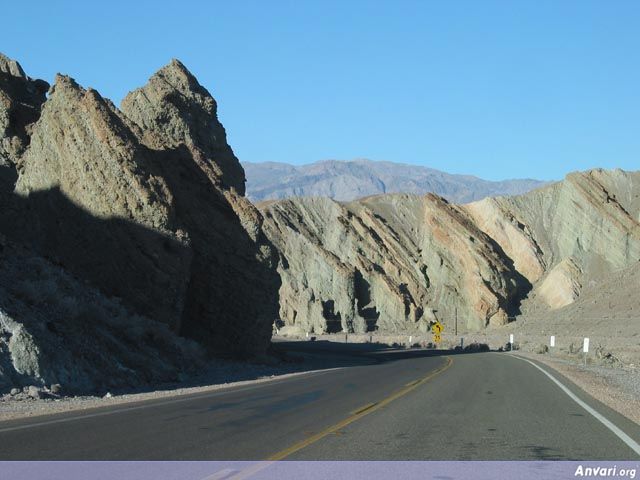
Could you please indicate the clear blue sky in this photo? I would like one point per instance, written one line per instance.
(499, 89)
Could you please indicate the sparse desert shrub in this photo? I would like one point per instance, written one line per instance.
(477, 347)
(605, 356)
(541, 349)
(572, 349)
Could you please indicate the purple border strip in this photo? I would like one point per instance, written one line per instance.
(284, 470)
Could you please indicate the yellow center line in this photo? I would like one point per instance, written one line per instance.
(358, 414)
(363, 408)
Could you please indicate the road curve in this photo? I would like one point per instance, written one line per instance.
(406, 406)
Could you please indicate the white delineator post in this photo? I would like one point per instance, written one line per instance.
(552, 341)
(511, 341)
(585, 349)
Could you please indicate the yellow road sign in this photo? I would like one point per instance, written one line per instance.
(437, 338)
(437, 328)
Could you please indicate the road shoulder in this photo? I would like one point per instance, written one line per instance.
(614, 388)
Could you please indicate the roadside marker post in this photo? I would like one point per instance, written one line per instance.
(585, 349)
(456, 328)
(552, 341)
(511, 341)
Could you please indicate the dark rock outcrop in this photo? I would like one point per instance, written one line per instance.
(177, 116)
(20, 102)
(147, 206)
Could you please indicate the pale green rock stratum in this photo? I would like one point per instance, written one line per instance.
(389, 262)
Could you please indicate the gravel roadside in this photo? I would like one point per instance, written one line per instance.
(616, 387)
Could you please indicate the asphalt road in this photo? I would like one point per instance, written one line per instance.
(403, 406)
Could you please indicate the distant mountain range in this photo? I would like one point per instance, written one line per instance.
(348, 180)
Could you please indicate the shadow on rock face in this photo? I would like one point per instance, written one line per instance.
(208, 285)
(232, 281)
(144, 268)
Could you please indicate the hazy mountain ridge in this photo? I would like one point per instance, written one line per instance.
(349, 180)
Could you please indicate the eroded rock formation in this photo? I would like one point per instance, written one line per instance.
(144, 203)
(568, 234)
(486, 260)
(20, 102)
(141, 211)
(392, 262)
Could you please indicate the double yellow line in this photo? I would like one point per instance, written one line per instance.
(359, 413)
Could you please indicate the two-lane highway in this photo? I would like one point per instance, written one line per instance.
(407, 406)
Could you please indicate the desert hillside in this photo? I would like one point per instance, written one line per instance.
(396, 262)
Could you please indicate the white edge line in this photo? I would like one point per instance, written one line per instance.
(150, 404)
(631, 443)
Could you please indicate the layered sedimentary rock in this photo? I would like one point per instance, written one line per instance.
(147, 206)
(561, 286)
(568, 234)
(173, 110)
(388, 263)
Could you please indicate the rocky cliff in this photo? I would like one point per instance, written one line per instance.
(394, 262)
(388, 263)
(145, 203)
(20, 100)
(569, 234)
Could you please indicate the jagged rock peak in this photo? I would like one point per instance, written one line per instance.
(173, 109)
(82, 145)
(20, 101)
(175, 70)
(65, 81)
(13, 68)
